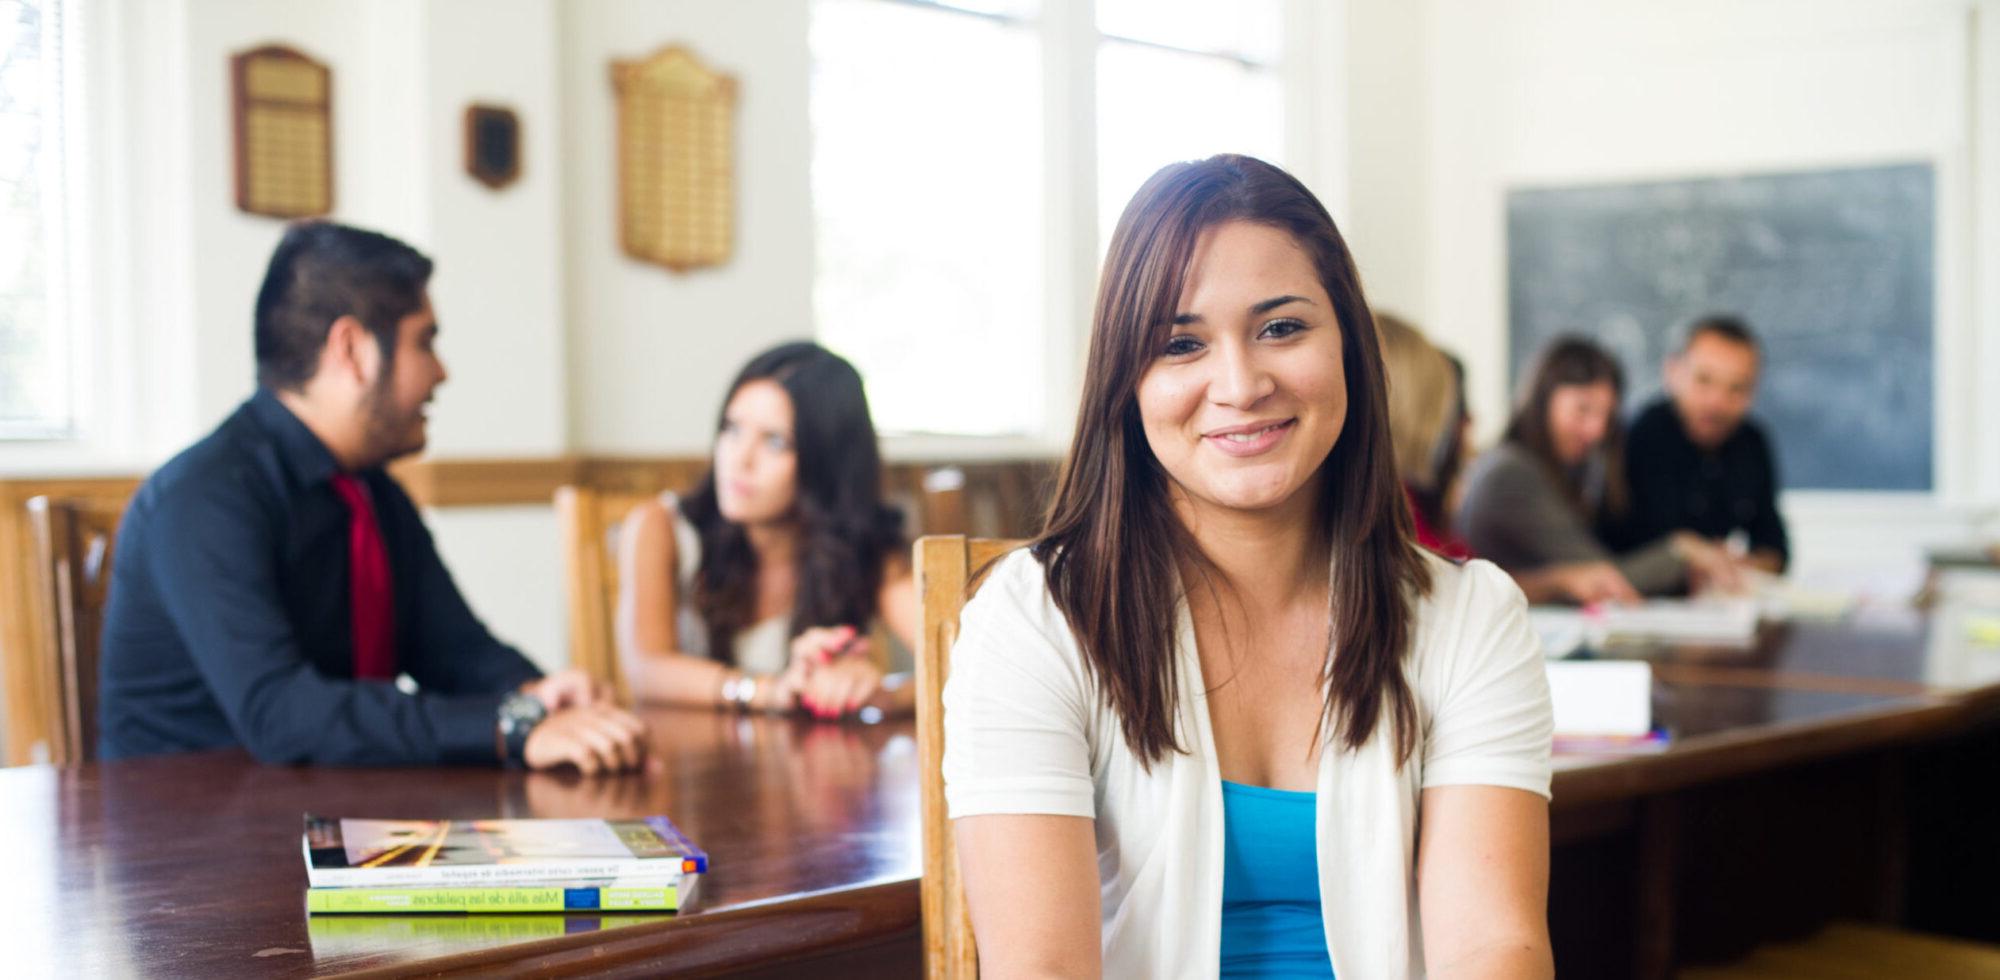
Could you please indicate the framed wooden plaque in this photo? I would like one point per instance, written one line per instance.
(676, 160)
(283, 115)
(492, 145)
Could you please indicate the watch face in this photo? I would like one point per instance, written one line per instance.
(522, 709)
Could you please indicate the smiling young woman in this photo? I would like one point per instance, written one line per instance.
(1220, 694)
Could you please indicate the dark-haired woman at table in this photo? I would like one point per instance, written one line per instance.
(758, 590)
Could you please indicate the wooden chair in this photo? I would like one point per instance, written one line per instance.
(73, 538)
(945, 566)
(588, 521)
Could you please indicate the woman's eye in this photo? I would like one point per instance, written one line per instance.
(1182, 345)
(1282, 328)
(778, 444)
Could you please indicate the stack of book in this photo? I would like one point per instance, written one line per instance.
(403, 866)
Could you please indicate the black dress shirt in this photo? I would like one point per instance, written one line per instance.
(1676, 485)
(228, 621)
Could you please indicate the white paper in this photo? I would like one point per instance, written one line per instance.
(1601, 697)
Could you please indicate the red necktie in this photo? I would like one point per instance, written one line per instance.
(374, 609)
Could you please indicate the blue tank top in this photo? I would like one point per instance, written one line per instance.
(1271, 923)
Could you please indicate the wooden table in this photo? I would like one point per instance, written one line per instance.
(1785, 798)
(191, 865)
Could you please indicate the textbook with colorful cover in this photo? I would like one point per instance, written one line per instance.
(476, 854)
(604, 895)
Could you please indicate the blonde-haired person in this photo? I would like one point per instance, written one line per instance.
(1432, 434)
(1219, 695)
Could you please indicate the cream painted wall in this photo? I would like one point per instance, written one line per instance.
(1387, 87)
(499, 284)
(651, 351)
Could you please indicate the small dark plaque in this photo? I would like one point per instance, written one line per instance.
(492, 145)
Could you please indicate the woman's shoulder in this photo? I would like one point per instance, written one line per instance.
(1503, 460)
(1014, 583)
(1505, 477)
(1468, 603)
(1011, 603)
(656, 529)
(650, 523)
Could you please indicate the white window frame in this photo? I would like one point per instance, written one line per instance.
(1309, 71)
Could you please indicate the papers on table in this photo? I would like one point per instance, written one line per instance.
(1727, 622)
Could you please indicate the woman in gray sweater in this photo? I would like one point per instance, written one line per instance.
(1533, 500)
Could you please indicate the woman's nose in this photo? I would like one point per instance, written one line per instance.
(1240, 380)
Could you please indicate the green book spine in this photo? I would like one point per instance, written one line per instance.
(650, 898)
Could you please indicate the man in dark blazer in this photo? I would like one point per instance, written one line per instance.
(272, 583)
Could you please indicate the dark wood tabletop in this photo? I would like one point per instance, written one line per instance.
(1802, 690)
(191, 865)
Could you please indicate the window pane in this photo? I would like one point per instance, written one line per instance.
(1006, 8)
(1156, 106)
(927, 193)
(34, 366)
(1248, 29)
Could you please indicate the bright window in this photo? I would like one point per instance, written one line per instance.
(1182, 80)
(35, 365)
(936, 158)
(927, 193)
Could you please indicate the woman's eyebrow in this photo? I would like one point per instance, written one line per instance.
(1256, 309)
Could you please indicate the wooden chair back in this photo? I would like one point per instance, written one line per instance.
(588, 521)
(946, 565)
(73, 540)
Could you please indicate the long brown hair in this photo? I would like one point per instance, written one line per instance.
(1572, 360)
(1111, 540)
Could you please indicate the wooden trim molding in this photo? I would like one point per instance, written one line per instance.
(487, 482)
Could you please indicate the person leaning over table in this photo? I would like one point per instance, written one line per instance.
(1238, 722)
(1539, 498)
(272, 581)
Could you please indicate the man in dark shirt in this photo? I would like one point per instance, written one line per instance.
(1695, 461)
(272, 581)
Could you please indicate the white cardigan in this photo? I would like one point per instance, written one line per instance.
(1026, 732)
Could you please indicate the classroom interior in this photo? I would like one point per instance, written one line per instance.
(927, 187)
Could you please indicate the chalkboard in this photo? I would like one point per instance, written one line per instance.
(1831, 268)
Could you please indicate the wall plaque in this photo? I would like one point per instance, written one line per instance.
(676, 160)
(283, 115)
(492, 145)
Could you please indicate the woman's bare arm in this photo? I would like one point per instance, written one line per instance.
(655, 668)
(1032, 918)
(1483, 883)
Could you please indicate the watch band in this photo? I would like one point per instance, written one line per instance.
(518, 716)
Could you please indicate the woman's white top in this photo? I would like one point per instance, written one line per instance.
(763, 648)
(1026, 732)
